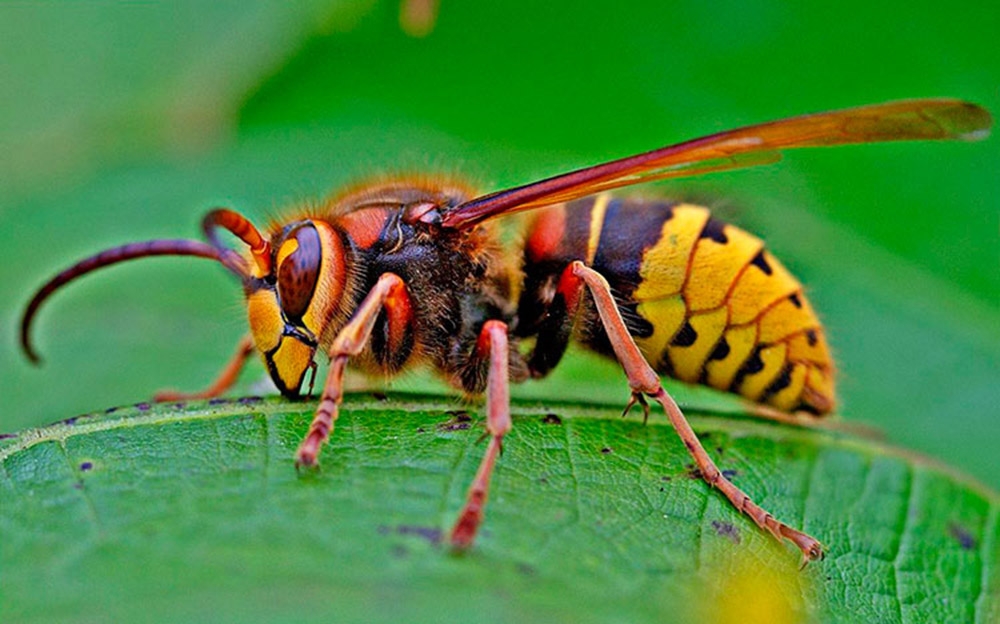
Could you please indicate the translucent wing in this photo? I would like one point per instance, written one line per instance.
(744, 147)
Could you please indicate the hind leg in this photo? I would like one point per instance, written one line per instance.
(645, 382)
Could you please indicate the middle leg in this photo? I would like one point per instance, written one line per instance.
(492, 343)
(224, 382)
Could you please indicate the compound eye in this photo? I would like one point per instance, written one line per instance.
(298, 265)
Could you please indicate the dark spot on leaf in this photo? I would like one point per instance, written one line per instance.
(421, 430)
(606, 450)
(218, 401)
(552, 419)
(111, 410)
(459, 420)
(78, 485)
(85, 466)
(142, 407)
(543, 479)
(705, 436)
(399, 551)
(250, 400)
(71, 420)
(726, 530)
(4, 436)
(525, 569)
(380, 396)
(693, 472)
(666, 478)
(719, 450)
(178, 405)
(431, 534)
(962, 536)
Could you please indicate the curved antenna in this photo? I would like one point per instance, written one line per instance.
(115, 255)
(239, 226)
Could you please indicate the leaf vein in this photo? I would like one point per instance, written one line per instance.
(453, 475)
(577, 505)
(266, 463)
(903, 533)
(640, 471)
(88, 501)
(987, 546)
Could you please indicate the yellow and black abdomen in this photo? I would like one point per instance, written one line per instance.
(705, 302)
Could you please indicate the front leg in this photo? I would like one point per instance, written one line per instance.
(389, 293)
(223, 382)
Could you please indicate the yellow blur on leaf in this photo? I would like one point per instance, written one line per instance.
(755, 591)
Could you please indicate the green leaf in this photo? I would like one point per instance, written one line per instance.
(111, 124)
(180, 513)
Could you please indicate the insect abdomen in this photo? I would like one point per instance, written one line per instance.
(704, 300)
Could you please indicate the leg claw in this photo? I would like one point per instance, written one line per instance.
(464, 532)
(305, 462)
(640, 399)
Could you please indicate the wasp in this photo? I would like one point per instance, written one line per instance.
(410, 271)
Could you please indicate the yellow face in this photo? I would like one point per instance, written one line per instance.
(289, 308)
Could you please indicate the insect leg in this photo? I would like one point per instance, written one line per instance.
(388, 293)
(644, 381)
(492, 343)
(223, 382)
(554, 326)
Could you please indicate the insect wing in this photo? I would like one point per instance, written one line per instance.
(735, 149)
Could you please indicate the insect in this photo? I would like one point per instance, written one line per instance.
(410, 271)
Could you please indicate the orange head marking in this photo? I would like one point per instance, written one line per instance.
(291, 305)
(240, 226)
(294, 287)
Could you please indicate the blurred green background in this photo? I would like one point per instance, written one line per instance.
(126, 122)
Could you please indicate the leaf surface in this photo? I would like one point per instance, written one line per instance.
(167, 513)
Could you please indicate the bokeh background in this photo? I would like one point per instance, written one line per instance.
(123, 122)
